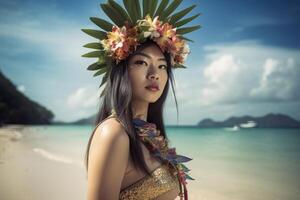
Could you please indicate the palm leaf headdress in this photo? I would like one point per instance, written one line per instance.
(131, 25)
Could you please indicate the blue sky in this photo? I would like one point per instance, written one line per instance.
(245, 59)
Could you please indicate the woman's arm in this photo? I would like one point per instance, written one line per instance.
(108, 157)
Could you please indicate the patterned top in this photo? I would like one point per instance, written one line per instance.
(151, 187)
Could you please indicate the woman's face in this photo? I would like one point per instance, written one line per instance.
(147, 67)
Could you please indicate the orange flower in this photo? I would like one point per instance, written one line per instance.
(175, 44)
(120, 41)
(166, 32)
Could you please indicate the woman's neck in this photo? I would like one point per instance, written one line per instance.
(140, 110)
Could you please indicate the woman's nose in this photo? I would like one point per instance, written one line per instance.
(153, 76)
(152, 73)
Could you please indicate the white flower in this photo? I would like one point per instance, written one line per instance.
(185, 52)
(119, 44)
(155, 34)
(147, 34)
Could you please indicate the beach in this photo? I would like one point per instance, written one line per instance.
(25, 174)
(47, 162)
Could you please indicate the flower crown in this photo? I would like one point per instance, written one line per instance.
(132, 29)
(123, 41)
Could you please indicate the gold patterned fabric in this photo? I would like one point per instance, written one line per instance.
(150, 187)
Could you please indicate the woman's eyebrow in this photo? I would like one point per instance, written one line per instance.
(146, 55)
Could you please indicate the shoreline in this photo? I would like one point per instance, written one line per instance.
(27, 175)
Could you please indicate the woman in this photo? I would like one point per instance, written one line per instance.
(128, 156)
(112, 168)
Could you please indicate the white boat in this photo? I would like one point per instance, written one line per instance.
(235, 128)
(249, 124)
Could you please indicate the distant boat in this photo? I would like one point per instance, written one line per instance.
(234, 128)
(249, 124)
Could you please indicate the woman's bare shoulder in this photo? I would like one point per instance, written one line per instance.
(109, 153)
(111, 129)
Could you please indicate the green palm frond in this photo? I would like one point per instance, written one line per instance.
(146, 6)
(96, 66)
(101, 71)
(185, 21)
(94, 45)
(177, 16)
(95, 33)
(169, 10)
(93, 54)
(120, 10)
(113, 14)
(134, 9)
(185, 30)
(163, 4)
(149, 7)
(137, 8)
(105, 25)
(184, 38)
(153, 7)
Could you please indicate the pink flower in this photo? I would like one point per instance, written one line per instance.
(166, 32)
(120, 42)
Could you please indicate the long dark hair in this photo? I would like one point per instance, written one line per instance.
(118, 95)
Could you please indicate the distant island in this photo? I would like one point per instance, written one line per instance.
(267, 121)
(16, 108)
(85, 121)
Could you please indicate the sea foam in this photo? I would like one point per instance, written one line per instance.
(52, 156)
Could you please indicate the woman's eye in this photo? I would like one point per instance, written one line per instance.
(163, 66)
(139, 62)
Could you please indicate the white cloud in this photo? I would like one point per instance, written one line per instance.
(83, 98)
(221, 80)
(81, 103)
(248, 72)
(279, 81)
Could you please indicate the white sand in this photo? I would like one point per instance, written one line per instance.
(24, 174)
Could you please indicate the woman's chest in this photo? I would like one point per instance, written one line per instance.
(135, 177)
(132, 174)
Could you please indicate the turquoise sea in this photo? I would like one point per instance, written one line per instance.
(227, 164)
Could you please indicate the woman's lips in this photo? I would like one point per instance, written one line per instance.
(154, 89)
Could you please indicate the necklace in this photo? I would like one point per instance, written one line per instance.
(158, 146)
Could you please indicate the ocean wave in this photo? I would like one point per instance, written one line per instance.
(52, 156)
(11, 134)
(16, 136)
